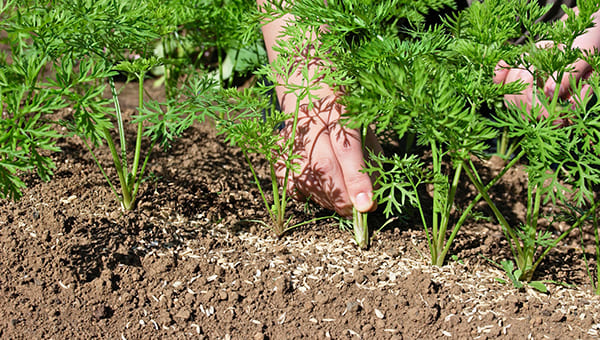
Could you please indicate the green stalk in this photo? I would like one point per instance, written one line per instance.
(137, 183)
(126, 199)
(532, 229)
(565, 233)
(278, 215)
(536, 208)
(439, 260)
(237, 53)
(124, 167)
(529, 203)
(525, 261)
(423, 219)
(256, 180)
(140, 130)
(361, 228)
(512, 236)
(290, 151)
(471, 205)
(502, 145)
(436, 208)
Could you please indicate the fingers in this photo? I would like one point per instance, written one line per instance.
(318, 176)
(500, 72)
(526, 96)
(582, 70)
(330, 162)
(347, 146)
(330, 190)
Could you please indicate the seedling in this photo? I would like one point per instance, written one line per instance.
(514, 275)
(247, 125)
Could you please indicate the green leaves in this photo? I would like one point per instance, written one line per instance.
(27, 138)
(250, 121)
(397, 181)
(84, 44)
(554, 135)
(138, 66)
(515, 278)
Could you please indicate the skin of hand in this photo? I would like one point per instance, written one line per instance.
(588, 41)
(331, 156)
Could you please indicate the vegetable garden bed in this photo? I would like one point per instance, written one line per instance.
(73, 265)
(112, 227)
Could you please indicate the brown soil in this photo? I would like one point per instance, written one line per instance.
(186, 265)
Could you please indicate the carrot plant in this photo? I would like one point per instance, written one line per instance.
(253, 122)
(561, 160)
(88, 44)
(246, 126)
(27, 134)
(349, 37)
(433, 83)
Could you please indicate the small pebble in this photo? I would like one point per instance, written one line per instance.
(184, 314)
(102, 312)
(352, 306)
(393, 252)
(360, 278)
(321, 299)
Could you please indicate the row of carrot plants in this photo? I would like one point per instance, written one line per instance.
(429, 85)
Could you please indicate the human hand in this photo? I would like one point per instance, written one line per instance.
(581, 70)
(331, 157)
(589, 42)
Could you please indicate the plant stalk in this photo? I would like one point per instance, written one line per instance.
(361, 228)
(140, 130)
(579, 221)
(126, 196)
(513, 239)
(437, 168)
(123, 142)
(441, 238)
(471, 205)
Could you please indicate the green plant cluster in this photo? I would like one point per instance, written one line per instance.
(427, 84)
(430, 85)
(67, 53)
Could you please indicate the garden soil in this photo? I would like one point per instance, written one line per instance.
(188, 264)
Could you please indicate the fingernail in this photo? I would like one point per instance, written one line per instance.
(363, 202)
